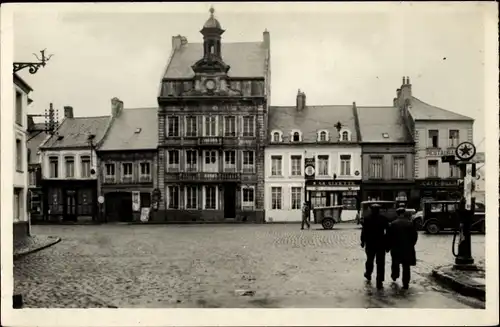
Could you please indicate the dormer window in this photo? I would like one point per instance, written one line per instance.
(276, 136)
(296, 136)
(322, 136)
(385, 135)
(345, 136)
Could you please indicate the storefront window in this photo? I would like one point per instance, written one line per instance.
(318, 199)
(349, 201)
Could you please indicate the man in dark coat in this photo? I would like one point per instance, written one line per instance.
(373, 240)
(401, 239)
(306, 212)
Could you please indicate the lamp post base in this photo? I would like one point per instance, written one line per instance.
(464, 263)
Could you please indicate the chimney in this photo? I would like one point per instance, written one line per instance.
(267, 39)
(68, 112)
(116, 107)
(178, 41)
(301, 100)
(405, 89)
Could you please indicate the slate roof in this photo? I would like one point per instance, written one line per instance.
(75, 131)
(311, 120)
(123, 132)
(246, 59)
(35, 139)
(424, 111)
(375, 121)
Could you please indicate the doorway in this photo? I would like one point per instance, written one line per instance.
(230, 200)
(118, 206)
(70, 198)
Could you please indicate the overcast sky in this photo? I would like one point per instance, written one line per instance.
(336, 56)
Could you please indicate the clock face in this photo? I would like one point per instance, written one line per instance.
(309, 170)
(210, 84)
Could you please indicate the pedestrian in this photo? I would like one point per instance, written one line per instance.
(306, 212)
(401, 239)
(373, 240)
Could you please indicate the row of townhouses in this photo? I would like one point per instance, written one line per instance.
(214, 149)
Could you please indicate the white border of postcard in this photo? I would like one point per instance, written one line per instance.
(253, 317)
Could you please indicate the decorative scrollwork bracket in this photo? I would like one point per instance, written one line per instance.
(33, 66)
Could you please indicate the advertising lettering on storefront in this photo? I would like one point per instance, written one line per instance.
(439, 183)
(136, 201)
(332, 185)
(441, 152)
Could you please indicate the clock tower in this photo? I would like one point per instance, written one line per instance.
(211, 70)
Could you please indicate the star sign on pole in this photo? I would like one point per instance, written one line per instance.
(465, 151)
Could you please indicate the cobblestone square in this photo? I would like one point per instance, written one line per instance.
(165, 266)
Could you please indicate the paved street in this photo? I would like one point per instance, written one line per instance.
(202, 266)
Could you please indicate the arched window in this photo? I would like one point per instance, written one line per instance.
(322, 136)
(296, 137)
(345, 136)
(276, 136)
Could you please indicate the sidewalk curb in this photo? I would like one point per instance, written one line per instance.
(455, 284)
(22, 254)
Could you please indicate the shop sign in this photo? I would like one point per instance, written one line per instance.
(437, 152)
(332, 182)
(136, 201)
(438, 183)
(309, 167)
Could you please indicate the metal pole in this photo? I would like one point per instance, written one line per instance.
(464, 260)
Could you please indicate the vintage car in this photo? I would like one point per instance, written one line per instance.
(443, 215)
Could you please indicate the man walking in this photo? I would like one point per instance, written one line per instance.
(373, 240)
(401, 239)
(306, 211)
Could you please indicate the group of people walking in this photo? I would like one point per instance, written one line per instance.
(379, 237)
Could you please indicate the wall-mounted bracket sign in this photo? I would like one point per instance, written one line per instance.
(309, 167)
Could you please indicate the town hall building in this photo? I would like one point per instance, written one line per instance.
(212, 116)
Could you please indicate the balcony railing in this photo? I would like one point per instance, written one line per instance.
(145, 179)
(210, 141)
(109, 179)
(203, 177)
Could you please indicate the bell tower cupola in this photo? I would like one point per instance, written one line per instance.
(211, 62)
(212, 32)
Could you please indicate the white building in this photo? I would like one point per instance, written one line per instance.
(21, 217)
(69, 166)
(329, 136)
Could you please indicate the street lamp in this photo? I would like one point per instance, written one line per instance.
(33, 66)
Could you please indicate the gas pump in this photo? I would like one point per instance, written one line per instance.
(463, 256)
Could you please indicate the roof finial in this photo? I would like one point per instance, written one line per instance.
(212, 10)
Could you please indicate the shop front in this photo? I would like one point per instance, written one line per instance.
(438, 189)
(325, 193)
(67, 200)
(389, 191)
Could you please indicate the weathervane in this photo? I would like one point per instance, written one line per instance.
(33, 66)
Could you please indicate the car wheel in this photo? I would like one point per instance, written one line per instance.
(417, 223)
(327, 223)
(432, 228)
